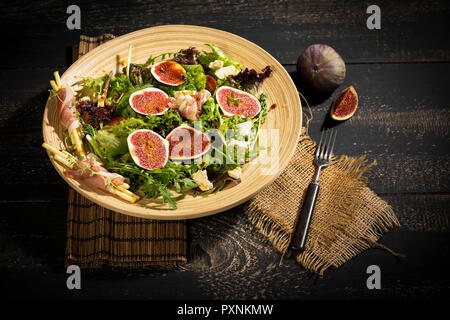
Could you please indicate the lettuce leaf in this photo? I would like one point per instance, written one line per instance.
(206, 58)
(111, 144)
(90, 88)
(187, 56)
(127, 126)
(117, 86)
(196, 76)
(139, 75)
(93, 88)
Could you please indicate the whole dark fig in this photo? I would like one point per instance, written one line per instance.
(321, 68)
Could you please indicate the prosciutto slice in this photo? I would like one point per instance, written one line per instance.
(93, 174)
(65, 101)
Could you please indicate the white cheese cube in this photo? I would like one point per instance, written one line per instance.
(235, 173)
(224, 72)
(244, 128)
(201, 179)
(216, 64)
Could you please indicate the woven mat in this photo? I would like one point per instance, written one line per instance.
(348, 217)
(97, 236)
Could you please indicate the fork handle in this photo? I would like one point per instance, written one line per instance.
(301, 229)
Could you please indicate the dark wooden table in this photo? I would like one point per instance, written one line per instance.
(402, 75)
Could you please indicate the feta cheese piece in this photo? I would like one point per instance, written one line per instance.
(216, 64)
(201, 179)
(244, 128)
(224, 72)
(235, 173)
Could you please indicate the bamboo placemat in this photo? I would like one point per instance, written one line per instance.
(97, 236)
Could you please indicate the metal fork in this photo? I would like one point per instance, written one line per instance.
(321, 160)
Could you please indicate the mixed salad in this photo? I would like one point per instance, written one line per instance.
(181, 121)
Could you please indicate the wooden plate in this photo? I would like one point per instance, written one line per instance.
(285, 119)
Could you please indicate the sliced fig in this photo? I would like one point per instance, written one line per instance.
(237, 102)
(148, 149)
(149, 101)
(186, 143)
(169, 72)
(345, 104)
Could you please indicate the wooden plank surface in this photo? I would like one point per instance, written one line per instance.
(284, 28)
(229, 259)
(400, 72)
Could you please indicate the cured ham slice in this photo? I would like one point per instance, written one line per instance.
(65, 103)
(189, 103)
(92, 173)
(66, 109)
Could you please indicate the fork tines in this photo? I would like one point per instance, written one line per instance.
(326, 145)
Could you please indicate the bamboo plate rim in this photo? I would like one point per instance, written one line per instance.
(287, 117)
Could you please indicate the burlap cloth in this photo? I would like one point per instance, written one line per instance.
(97, 236)
(348, 217)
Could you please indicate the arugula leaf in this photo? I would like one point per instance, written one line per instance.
(254, 149)
(167, 196)
(152, 59)
(233, 99)
(93, 88)
(188, 184)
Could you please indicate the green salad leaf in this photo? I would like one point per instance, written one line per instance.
(158, 182)
(93, 88)
(117, 86)
(90, 88)
(196, 76)
(206, 58)
(110, 143)
(140, 75)
(127, 126)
